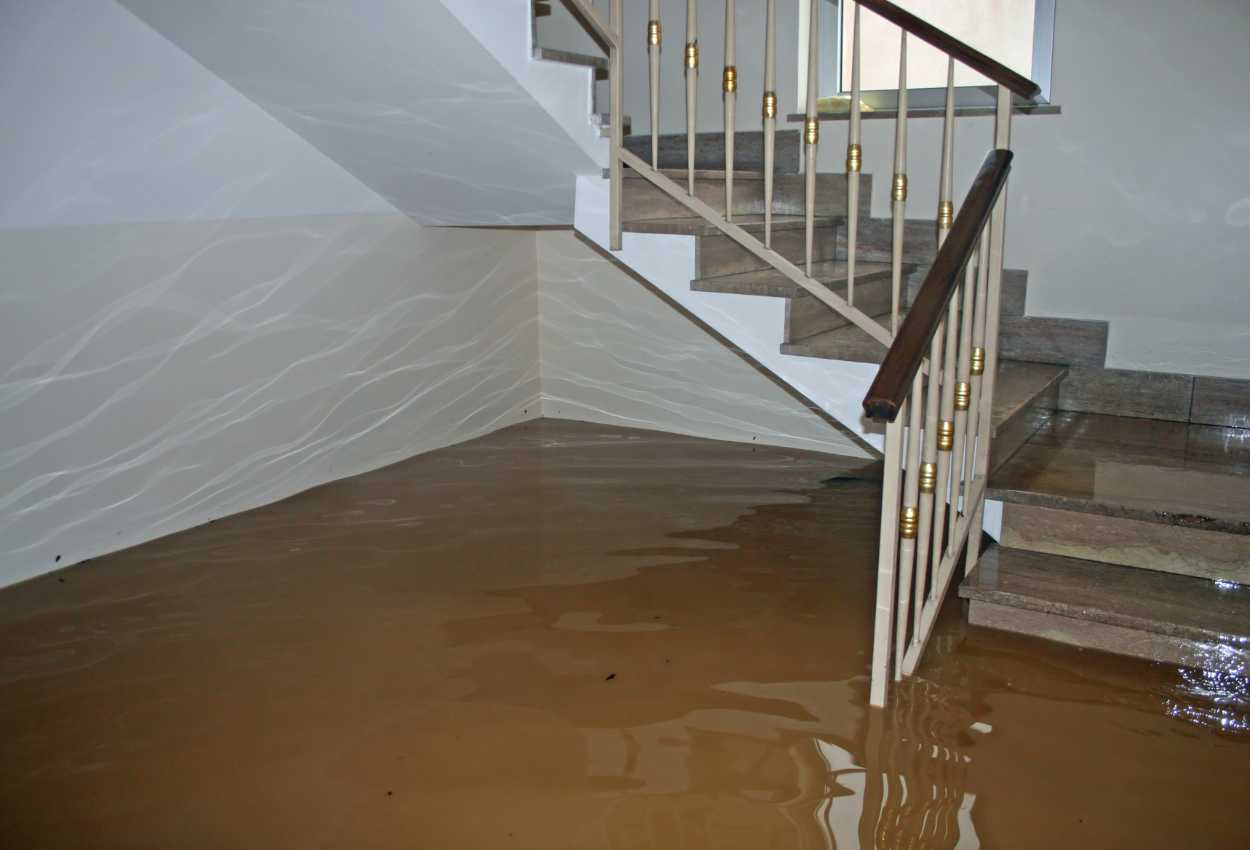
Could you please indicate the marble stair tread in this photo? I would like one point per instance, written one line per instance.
(1172, 473)
(698, 226)
(772, 283)
(1183, 607)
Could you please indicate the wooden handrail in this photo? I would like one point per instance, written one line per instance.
(968, 55)
(894, 379)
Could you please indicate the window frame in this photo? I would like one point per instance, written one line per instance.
(885, 100)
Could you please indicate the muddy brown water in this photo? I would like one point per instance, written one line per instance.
(574, 636)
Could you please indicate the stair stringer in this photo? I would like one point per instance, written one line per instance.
(565, 92)
(752, 323)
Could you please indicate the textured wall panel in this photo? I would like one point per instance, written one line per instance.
(612, 351)
(156, 376)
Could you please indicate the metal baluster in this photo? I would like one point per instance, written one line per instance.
(692, 86)
(998, 230)
(854, 161)
(948, 433)
(909, 520)
(946, 203)
(938, 439)
(770, 116)
(898, 192)
(615, 73)
(976, 367)
(945, 186)
(811, 128)
(730, 84)
(887, 564)
(960, 469)
(654, 36)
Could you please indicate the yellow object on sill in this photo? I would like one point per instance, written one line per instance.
(839, 105)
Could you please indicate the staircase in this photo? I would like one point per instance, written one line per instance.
(1127, 534)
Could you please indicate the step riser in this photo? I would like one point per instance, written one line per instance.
(1127, 542)
(643, 201)
(1014, 290)
(710, 150)
(1108, 638)
(858, 348)
(1071, 342)
(808, 316)
(717, 255)
(875, 240)
(1117, 392)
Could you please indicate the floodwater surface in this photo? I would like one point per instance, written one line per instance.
(575, 636)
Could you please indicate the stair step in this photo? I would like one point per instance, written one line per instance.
(1168, 618)
(641, 200)
(1196, 476)
(1143, 493)
(807, 315)
(1013, 293)
(698, 226)
(678, 175)
(717, 254)
(1030, 339)
(1125, 392)
(773, 284)
(710, 150)
(1071, 342)
(845, 343)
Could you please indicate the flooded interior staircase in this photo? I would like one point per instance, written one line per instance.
(1118, 502)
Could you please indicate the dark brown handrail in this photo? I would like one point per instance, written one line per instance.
(893, 382)
(970, 56)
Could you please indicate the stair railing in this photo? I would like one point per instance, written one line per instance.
(935, 392)
(935, 387)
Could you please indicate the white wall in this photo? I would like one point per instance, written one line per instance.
(1132, 206)
(200, 313)
(613, 351)
(105, 121)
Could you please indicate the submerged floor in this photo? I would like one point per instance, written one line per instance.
(575, 636)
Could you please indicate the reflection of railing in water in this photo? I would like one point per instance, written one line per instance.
(731, 786)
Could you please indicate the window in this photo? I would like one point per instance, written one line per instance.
(1017, 33)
